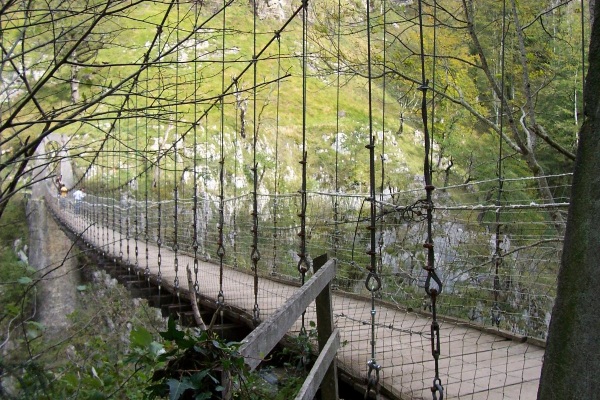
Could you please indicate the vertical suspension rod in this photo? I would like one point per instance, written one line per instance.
(302, 262)
(195, 170)
(255, 255)
(221, 248)
(436, 388)
(373, 281)
(496, 312)
(175, 181)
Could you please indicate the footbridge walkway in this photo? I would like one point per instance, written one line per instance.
(475, 362)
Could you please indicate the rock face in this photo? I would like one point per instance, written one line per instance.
(52, 256)
(277, 9)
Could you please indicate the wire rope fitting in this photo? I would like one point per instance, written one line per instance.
(437, 390)
(370, 285)
(255, 255)
(372, 378)
(435, 340)
(220, 298)
(303, 266)
(432, 275)
(256, 314)
(221, 250)
(496, 315)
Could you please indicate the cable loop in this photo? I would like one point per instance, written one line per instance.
(496, 314)
(369, 282)
(220, 298)
(302, 331)
(303, 266)
(221, 251)
(256, 314)
(255, 256)
(431, 274)
(437, 390)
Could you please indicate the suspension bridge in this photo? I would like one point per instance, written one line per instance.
(438, 291)
(475, 361)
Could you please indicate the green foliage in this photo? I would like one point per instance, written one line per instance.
(15, 275)
(299, 350)
(100, 359)
(192, 364)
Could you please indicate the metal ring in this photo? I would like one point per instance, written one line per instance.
(303, 266)
(437, 390)
(369, 285)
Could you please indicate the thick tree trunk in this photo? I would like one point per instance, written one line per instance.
(572, 358)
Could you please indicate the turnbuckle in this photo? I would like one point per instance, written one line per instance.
(372, 380)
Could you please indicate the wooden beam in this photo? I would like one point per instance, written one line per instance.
(318, 371)
(324, 305)
(264, 338)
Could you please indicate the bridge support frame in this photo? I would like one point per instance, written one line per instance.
(329, 341)
(264, 338)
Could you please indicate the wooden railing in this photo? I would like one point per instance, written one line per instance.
(266, 336)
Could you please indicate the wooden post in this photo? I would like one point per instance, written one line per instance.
(329, 386)
(262, 339)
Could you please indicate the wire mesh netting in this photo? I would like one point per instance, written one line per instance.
(512, 289)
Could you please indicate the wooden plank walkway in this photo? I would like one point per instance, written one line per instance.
(473, 364)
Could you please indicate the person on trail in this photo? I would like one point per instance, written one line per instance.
(59, 183)
(63, 196)
(78, 195)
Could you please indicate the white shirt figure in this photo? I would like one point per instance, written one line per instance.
(78, 195)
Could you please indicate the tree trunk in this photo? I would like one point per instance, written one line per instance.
(572, 357)
(75, 96)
